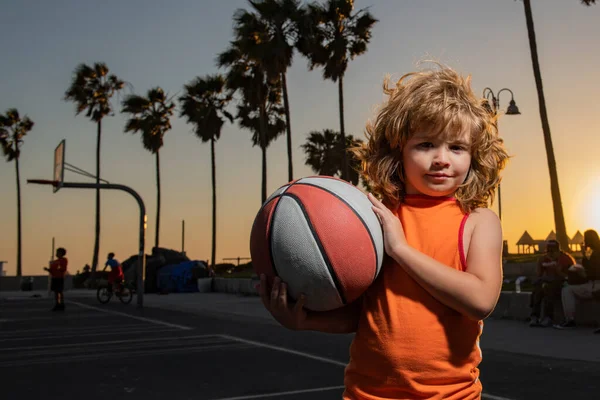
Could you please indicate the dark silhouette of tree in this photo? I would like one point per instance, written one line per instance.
(259, 108)
(559, 217)
(92, 88)
(324, 155)
(273, 23)
(151, 116)
(331, 35)
(204, 104)
(12, 130)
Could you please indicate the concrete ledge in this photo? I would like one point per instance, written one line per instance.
(514, 305)
(39, 282)
(511, 305)
(231, 285)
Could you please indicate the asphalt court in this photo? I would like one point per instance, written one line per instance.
(108, 351)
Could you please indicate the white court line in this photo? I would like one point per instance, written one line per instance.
(283, 349)
(128, 354)
(263, 395)
(62, 318)
(62, 329)
(55, 346)
(153, 321)
(307, 355)
(492, 397)
(59, 336)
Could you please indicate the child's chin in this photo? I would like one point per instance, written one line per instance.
(438, 192)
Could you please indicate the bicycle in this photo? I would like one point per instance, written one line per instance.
(123, 290)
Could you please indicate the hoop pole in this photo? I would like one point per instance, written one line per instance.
(141, 264)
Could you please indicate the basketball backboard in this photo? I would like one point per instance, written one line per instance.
(59, 165)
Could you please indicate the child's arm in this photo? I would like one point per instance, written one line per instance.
(52, 267)
(296, 317)
(473, 292)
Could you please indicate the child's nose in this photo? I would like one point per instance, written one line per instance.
(441, 158)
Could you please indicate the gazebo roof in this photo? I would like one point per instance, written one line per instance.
(526, 239)
(551, 236)
(577, 238)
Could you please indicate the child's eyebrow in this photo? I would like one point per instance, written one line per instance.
(461, 142)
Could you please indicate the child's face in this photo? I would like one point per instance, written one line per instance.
(434, 165)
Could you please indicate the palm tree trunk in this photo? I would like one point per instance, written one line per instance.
(286, 105)
(97, 236)
(214, 204)
(264, 174)
(19, 243)
(342, 130)
(263, 147)
(157, 232)
(559, 218)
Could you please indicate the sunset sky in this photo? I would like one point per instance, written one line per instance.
(149, 43)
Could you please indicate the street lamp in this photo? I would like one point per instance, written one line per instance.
(512, 109)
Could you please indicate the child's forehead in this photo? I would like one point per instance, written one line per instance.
(451, 135)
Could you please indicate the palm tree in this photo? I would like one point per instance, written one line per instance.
(204, 104)
(12, 130)
(150, 116)
(330, 36)
(273, 21)
(259, 108)
(323, 155)
(559, 217)
(91, 90)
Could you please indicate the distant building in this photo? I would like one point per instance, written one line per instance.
(528, 245)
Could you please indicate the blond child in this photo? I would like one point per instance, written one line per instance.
(433, 157)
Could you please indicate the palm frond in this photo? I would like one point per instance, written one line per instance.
(13, 129)
(331, 35)
(150, 116)
(91, 90)
(203, 103)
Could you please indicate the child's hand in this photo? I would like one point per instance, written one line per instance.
(393, 232)
(291, 317)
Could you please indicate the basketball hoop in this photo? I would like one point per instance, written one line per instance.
(43, 182)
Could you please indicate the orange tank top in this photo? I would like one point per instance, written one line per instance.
(408, 345)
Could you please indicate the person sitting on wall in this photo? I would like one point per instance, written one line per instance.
(584, 279)
(551, 276)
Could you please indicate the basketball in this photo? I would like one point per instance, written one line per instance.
(321, 237)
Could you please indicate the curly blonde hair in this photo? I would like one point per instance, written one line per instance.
(442, 102)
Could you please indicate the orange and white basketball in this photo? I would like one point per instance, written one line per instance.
(319, 235)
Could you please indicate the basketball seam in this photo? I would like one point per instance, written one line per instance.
(359, 217)
(270, 238)
(334, 276)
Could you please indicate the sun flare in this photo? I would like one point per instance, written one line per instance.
(590, 203)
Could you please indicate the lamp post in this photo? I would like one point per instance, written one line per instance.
(512, 109)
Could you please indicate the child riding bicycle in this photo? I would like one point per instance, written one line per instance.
(115, 276)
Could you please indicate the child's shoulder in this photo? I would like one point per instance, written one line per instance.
(481, 219)
(484, 216)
